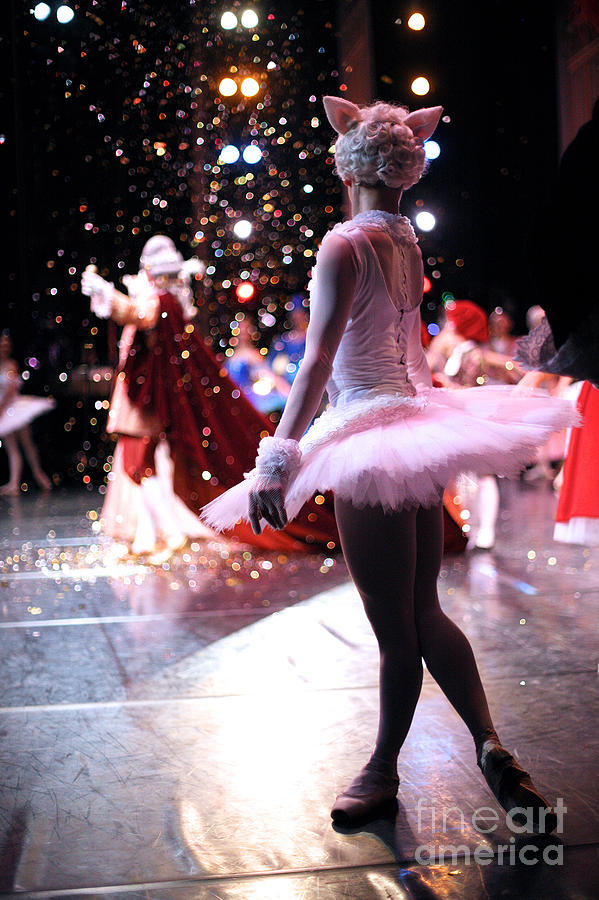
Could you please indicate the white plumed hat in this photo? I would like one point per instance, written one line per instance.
(160, 257)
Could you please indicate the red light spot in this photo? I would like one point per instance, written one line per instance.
(245, 291)
(427, 285)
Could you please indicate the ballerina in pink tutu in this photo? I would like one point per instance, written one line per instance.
(16, 414)
(386, 446)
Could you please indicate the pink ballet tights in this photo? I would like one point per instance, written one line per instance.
(394, 560)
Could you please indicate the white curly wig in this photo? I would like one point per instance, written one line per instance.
(380, 143)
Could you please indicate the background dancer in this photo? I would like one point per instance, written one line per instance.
(170, 389)
(471, 363)
(16, 414)
(265, 390)
(387, 445)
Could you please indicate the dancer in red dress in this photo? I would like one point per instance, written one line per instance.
(170, 389)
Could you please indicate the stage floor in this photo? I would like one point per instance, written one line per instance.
(182, 732)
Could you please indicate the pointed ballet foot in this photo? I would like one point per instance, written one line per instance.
(371, 795)
(515, 790)
(10, 490)
(173, 546)
(43, 482)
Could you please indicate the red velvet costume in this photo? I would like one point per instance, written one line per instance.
(172, 377)
(577, 517)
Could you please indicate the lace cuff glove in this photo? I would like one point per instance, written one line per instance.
(100, 291)
(277, 460)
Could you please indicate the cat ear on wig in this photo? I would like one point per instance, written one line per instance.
(424, 121)
(342, 114)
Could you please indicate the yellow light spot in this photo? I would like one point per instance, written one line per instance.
(416, 22)
(249, 87)
(227, 87)
(420, 86)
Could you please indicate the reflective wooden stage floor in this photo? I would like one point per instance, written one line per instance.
(181, 732)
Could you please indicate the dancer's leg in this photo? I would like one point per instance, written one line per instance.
(33, 458)
(138, 462)
(15, 465)
(139, 459)
(163, 516)
(450, 660)
(444, 647)
(380, 552)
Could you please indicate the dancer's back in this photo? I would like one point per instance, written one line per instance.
(375, 352)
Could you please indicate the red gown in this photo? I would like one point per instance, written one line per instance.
(212, 430)
(577, 517)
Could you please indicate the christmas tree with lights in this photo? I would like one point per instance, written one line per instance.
(201, 122)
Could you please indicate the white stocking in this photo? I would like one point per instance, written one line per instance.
(488, 509)
(145, 533)
(163, 518)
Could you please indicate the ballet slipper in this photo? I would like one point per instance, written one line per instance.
(172, 546)
(371, 795)
(513, 788)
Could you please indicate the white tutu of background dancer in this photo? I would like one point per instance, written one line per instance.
(17, 411)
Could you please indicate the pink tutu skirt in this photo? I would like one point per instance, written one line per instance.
(398, 452)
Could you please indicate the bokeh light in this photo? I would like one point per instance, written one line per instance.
(228, 20)
(252, 154)
(425, 221)
(245, 291)
(416, 21)
(228, 155)
(249, 87)
(426, 285)
(249, 19)
(41, 11)
(243, 228)
(431, 149)
(64, 14)
(420, 86)
(227, 87)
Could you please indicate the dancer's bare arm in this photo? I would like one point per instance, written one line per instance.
(330, 305)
